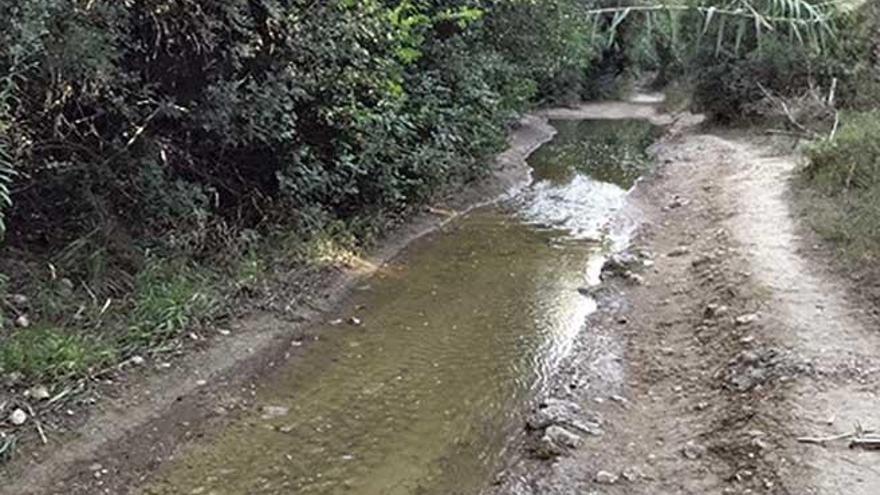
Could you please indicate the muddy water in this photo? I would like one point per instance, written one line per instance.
(424, 393)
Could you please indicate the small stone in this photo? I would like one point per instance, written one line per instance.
(715, 310)
(693, 451)
(677, 202)
(605, 478)
(201, 383)
(760, 444)
(631, 474)
(563, 437)
(96, 467)
(18, 417)
(746, 319)
(354, 320)
(679, 251)
(19, 299)
(22, 321)
(39, 392)
(271, 412)
(634, 278)
(137, 360)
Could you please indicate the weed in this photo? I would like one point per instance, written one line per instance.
(842, 187)
(50, 353)
(169, 297)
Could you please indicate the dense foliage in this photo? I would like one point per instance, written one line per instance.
(138, 130)
(840, 192)
(843, 183)
(740, 56)
(155, 120)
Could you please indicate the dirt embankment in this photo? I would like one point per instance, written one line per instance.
(707, 369)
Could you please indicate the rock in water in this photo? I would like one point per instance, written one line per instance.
(272, 412)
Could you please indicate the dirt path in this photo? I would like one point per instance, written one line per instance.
(729, 345)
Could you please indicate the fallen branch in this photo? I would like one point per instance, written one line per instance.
(783, 132)
(858, 431)
(836, 125)
(869, 442)
(823, 440)
(37, 424)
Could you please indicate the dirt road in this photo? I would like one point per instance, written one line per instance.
(732, 342)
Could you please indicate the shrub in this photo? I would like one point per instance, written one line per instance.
(190, 130)
(46, 353)
(843, 181)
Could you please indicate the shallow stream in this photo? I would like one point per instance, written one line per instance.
(421, 387)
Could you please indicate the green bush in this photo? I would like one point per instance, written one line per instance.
(842, 180)
(127, 121)
(195, 130)
(850, 161)
(728, 73)
(46, 353)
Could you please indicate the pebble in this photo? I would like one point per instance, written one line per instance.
(679, 251)
(355, 321)
(18, 417)
(715, 310)
(270, 412)
(605, 478)
(39, 392)
(22, 321)
(746, 319)
(631, 474)
(19, 299)
(693, 451)
(138, 360)
(561, 436)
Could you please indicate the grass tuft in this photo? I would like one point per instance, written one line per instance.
(842, 187)
(50, 353)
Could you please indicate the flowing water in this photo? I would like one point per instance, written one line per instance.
(456, 336)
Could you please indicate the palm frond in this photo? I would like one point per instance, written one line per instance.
(807, 23)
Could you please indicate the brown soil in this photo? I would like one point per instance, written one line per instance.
(690, 400)
(696, 402)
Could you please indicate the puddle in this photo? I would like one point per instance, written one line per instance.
(454, 336)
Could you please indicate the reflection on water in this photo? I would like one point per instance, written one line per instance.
(456, 334)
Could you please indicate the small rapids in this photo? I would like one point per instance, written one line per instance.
(424, 391)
